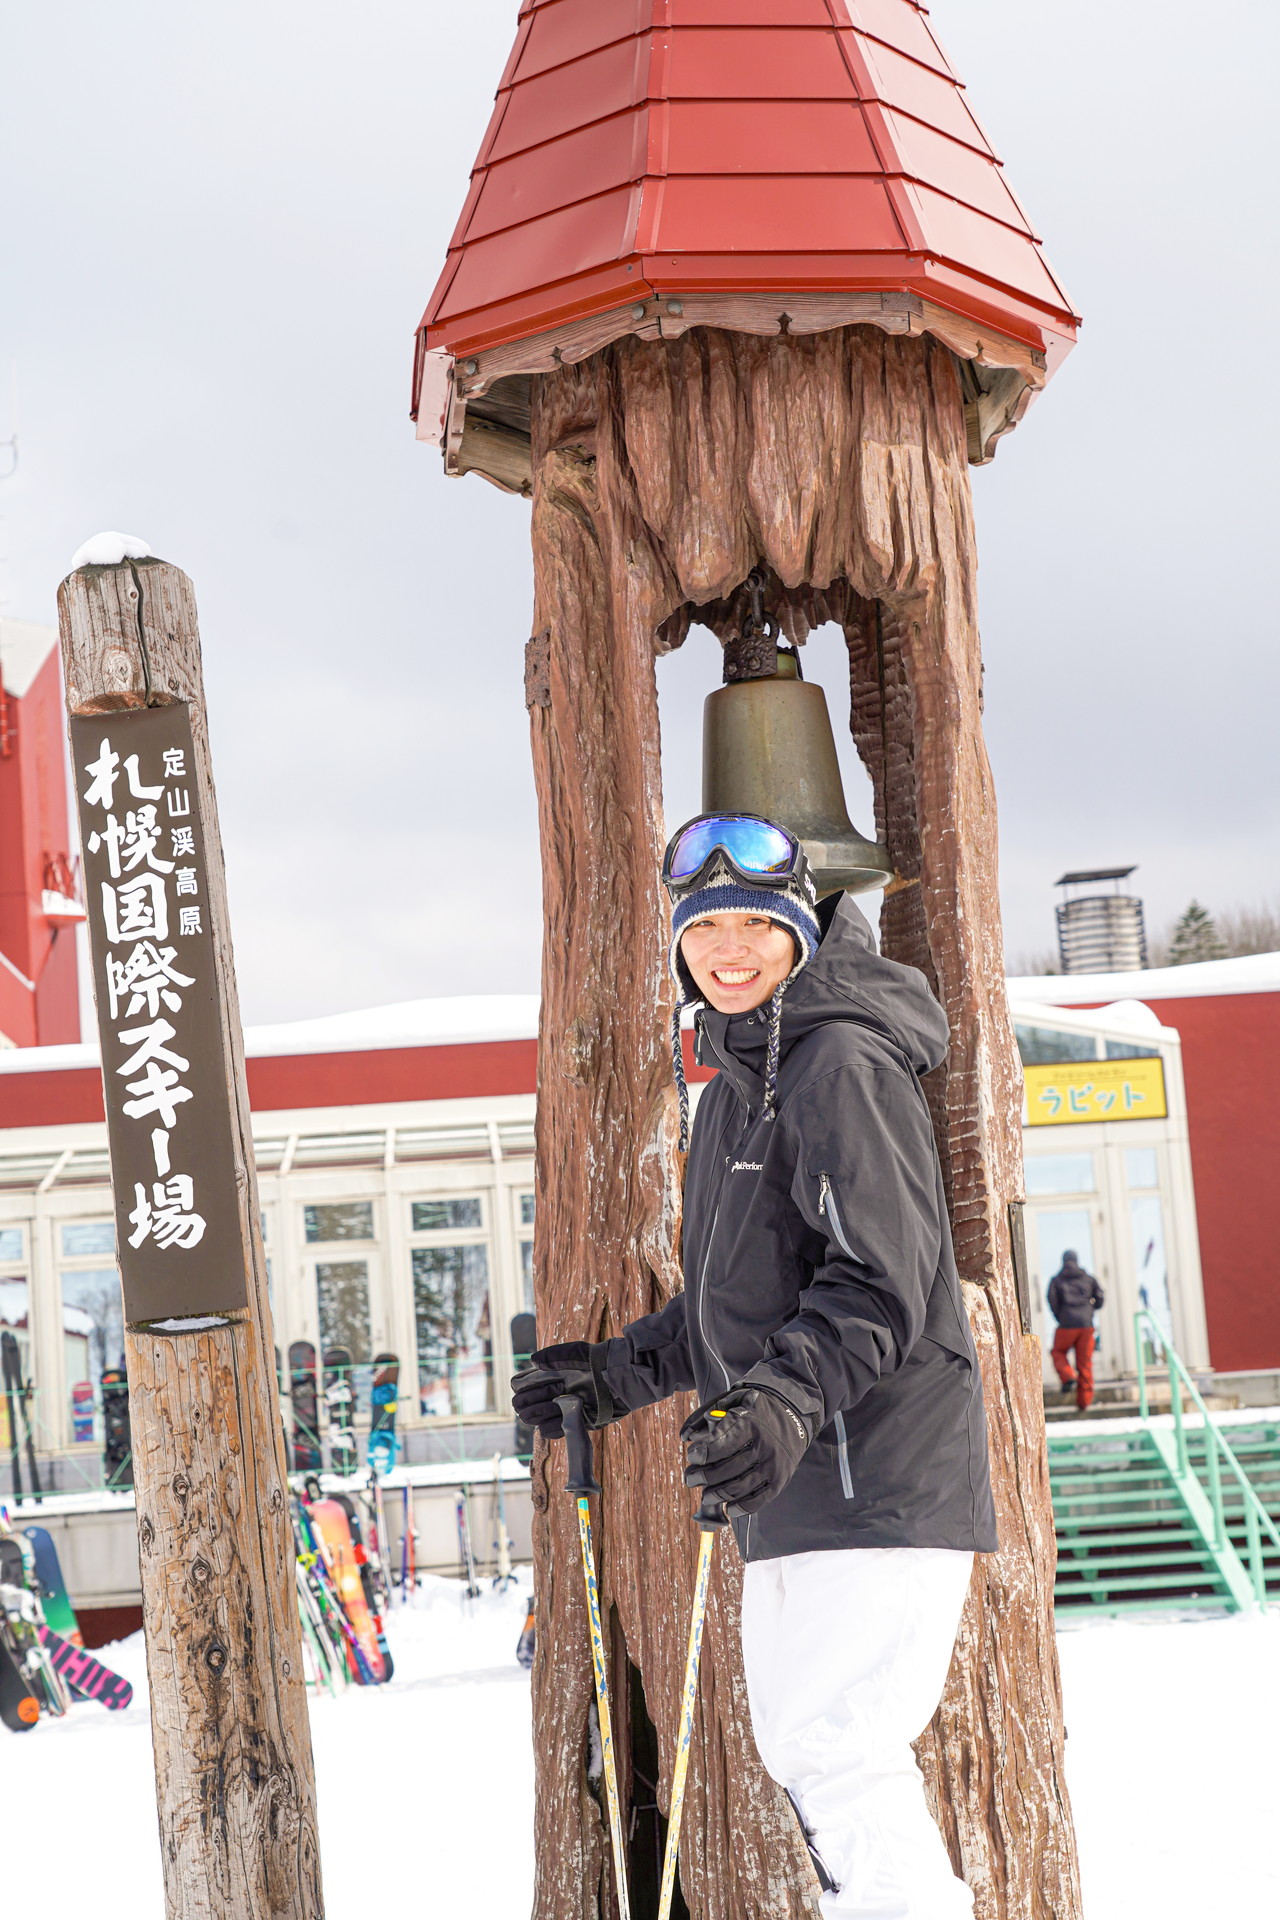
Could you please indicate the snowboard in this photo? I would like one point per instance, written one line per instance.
(117, 1442)
(22, 1619)
(372, 1576)
(384, 1400)
(339, 1400)
(19, 1708)
(334, 1531)
(59, 1613)
(302, 1392)
(86, 1677)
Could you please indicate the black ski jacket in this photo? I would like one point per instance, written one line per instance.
(818, 1262)
(1074, 1296)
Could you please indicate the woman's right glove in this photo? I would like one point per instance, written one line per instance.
(576, 1367)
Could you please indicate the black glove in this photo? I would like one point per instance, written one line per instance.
(745, 1446)
(577, 1367)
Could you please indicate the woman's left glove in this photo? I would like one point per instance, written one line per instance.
(576, 1367)
(745, 1446)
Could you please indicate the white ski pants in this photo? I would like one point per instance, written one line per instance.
(846, 1656)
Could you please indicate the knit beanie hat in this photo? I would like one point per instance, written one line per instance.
(793, 907)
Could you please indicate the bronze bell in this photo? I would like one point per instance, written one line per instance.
(768, 748)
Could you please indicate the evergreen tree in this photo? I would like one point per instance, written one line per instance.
(1195, 937)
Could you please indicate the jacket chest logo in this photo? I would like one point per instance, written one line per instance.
(747, 1166)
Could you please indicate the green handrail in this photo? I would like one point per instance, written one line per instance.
(1146, 1328)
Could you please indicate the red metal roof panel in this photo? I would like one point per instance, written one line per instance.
(769, 215)
(566, 29)
(925, 95)
(901, 25)
(570, 97)
(938, 161)
(609, 154)
(554, 247)
(744, 13)
(960, 235)
(780, 136)
(756, 63)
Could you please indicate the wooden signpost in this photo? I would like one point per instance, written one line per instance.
(234, 1784)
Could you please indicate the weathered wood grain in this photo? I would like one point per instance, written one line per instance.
(235, 1791)
(663, 471)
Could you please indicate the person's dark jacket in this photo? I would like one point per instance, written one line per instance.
(818, 1262)
(1074, 1295)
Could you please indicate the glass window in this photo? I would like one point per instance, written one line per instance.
(342, 1295)
(446, 1216)
(1146, 1220)
(11, 1243)
(526, 1209)
(526, 1273)
(1044, 1046)
(346, 1220)
(81, 1237)
(93, 1340)
(455, 1338)
(1140, 1167)
(1060, 1173)
(1128, 1050)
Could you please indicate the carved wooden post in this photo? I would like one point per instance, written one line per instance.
(662, 474)
(234, 1785)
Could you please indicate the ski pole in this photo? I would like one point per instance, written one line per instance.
(582, 1481)
(710, 1517)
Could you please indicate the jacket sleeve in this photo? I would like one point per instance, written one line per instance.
(867, 1183)
(1055, 1297)
(1098, 1297)
(651, 1359)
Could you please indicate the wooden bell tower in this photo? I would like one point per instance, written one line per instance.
(740, 284)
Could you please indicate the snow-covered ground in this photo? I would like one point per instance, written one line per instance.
(426, 1786)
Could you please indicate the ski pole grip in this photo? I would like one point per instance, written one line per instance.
(711, 1514)
(581, 1477)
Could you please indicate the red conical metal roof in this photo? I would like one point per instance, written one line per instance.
(644, 150)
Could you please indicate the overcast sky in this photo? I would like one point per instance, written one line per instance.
(220, 225)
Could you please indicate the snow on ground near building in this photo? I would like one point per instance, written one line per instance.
(426, 1786)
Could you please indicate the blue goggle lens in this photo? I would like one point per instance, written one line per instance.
(756, 846)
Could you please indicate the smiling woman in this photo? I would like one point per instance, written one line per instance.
(738, 959)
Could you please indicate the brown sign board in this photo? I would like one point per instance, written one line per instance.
(161, 1017)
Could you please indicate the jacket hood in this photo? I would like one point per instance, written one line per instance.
(846, 980)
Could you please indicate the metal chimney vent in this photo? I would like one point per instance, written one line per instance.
(1100, 932)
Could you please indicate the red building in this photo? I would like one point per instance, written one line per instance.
(39, 982)
(1228, 1014)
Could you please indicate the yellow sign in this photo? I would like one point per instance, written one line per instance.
(1072, 1092)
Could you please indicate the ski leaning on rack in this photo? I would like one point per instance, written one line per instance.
(334, 1532)
(18, 1393)
(466, 1552)
(23, 1619)
(306, 1419)
(384, 1399)
(373, 1576)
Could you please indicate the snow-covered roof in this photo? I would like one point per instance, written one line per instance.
(24, 648)
(1252, 973)
(461, 1020)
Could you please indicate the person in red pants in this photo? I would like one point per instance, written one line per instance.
(1074, 1298)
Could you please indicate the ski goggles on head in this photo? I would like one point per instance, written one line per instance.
(758, 852)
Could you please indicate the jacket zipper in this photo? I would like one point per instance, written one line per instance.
(702, 1295)
(827, 1206)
